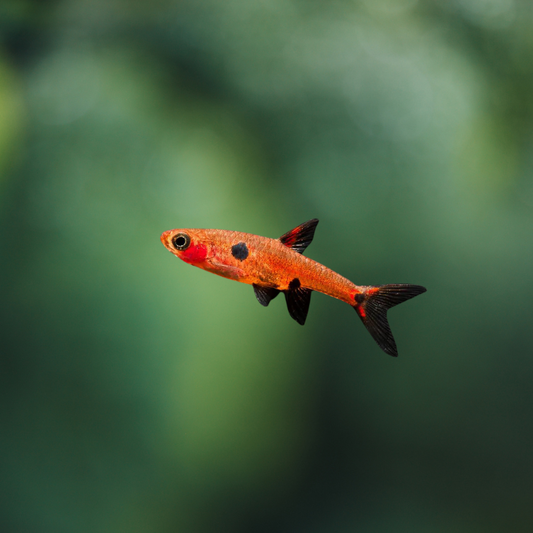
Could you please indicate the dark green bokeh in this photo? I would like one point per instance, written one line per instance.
(142, 395)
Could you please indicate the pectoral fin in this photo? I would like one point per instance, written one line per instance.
(226, 271)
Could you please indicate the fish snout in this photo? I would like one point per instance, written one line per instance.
(165, 238)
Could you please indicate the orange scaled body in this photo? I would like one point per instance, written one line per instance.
(277, 265)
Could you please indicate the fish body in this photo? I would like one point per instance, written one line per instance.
(278, 265)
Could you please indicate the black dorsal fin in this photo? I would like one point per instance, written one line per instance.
(298, 300)
(264, 295)
(300, 237)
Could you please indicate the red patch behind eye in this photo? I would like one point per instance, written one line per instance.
(194, 253)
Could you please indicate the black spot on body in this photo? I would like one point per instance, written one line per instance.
(294, 284)
(359, 297)
(240, 251)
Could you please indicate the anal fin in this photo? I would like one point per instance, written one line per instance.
(298, 301)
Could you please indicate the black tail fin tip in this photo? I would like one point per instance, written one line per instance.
(373, 311)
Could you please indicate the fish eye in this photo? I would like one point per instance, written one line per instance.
(181, 241)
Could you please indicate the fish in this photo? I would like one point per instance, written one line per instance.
(272, 266)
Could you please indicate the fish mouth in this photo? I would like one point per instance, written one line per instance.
(165, 238)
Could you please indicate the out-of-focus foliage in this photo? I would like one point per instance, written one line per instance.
(139, 394)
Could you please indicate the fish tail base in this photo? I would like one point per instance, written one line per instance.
(372, 305)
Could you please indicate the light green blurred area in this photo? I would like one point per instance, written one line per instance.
(140, 394)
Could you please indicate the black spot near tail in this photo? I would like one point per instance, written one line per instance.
(294, 284)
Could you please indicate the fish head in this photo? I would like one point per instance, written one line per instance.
(188, 244)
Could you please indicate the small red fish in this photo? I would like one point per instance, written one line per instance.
(277, 265)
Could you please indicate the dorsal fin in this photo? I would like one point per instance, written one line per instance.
(300, 237)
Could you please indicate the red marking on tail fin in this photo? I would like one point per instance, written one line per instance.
(360, 311)
(359, 298)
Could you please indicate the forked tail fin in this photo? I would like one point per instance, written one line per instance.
(372, 305)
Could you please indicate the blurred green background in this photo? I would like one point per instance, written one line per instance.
(141, 395)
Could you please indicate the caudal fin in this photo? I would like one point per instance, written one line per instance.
(372, 305)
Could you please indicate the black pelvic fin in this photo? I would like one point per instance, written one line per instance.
(298, 301)
(265, 294)
(300, 237)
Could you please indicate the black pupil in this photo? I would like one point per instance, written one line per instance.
(180, 241)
